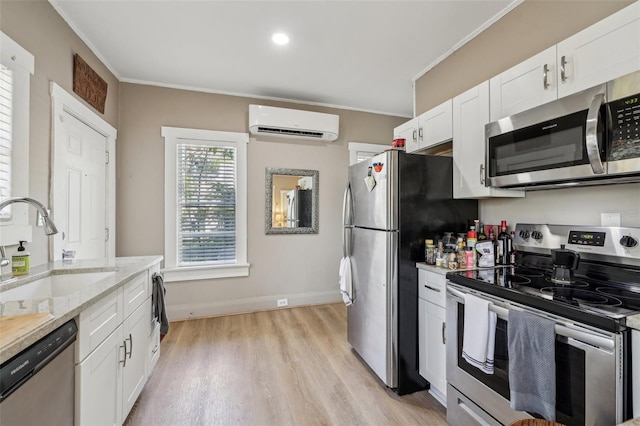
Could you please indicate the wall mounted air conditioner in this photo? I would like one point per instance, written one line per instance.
(292, 123)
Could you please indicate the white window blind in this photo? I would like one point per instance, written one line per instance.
(6, 119)
(206, 196)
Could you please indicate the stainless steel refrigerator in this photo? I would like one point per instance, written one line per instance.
(393, 202)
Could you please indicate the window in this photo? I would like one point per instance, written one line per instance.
(205, 204)
(16, 67)
(359, 151)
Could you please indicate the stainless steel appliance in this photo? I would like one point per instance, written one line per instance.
(593, 344)
(591, 137)
(393, 202)
(299, 208)
(37, 385)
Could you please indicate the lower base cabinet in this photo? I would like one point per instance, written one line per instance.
(111, 373)
(432, 365)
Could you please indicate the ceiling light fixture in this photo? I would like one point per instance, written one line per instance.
(280, 39)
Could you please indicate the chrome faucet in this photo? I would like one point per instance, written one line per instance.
(49, 226)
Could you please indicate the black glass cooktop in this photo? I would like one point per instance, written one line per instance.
(596, 295)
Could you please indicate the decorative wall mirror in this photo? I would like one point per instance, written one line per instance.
(291, 201)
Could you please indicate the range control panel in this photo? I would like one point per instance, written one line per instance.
(594, 241)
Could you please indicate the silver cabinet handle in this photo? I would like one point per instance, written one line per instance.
(545, 76)
(415, 136)
(563, 72)
(444, 333)
(124, 360)
(432, 288)
(482, 174)
(420, 133)
(591, 134)
(130, 338)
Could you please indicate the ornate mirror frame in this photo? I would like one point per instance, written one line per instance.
(269, 209)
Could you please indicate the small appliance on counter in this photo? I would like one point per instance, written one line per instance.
(586, 289)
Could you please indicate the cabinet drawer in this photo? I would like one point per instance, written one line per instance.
(97, 322)
(136, 292)
(432, 287)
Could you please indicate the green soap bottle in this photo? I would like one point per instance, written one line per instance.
(20, 262)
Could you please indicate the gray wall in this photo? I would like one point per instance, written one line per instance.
(38, 28)
(528, 29)
(302, 268)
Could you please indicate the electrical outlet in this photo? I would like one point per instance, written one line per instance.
(282, 302)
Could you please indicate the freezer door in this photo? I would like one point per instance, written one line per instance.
(375, 207)
(372, 317)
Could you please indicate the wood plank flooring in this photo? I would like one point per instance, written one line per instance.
(282, 367)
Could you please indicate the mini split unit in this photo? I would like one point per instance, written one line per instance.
(292, 123)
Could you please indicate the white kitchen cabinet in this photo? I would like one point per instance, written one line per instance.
(607, 49)
(98, 380)
(436, 125)
(136, 330)
(431, 332)
(470, 114)
(113, 355)
(409, 132)
(530, 83)
(429, 129)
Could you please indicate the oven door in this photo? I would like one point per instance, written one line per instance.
(560, 141)
(589, 384)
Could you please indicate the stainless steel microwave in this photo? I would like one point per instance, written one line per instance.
(589, 138)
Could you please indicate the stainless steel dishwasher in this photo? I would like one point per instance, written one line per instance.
(37, 385)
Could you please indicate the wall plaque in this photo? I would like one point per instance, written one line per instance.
(88, 84)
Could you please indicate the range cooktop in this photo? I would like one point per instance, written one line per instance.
(606, 285)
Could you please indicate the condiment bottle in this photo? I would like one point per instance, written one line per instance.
(430, 252)
(504, 245)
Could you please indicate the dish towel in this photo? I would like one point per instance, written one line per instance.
(532, 364)
(346, 285)
(478, 343)
(158, 303)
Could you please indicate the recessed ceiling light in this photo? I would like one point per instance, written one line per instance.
(280, 38)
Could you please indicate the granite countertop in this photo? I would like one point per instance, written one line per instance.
(64, 308)
(634, 322)
(439, 270)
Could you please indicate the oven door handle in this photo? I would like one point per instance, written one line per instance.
(580, 335)
(591, 134)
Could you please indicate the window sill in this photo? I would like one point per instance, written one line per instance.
(192, 273)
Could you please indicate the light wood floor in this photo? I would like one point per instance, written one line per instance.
(282, 367)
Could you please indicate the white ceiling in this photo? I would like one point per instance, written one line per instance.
(360, 55)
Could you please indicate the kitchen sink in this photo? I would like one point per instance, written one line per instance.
(55, 285)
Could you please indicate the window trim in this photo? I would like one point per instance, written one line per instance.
(172, 137)
(355, 147)
(22, 63)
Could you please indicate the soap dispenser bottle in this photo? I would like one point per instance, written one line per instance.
(20, 262)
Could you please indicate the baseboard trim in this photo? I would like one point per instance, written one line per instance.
(253, 304)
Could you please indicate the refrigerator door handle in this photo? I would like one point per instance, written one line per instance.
(347, 221)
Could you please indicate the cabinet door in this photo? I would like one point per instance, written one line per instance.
(136, 330)
(409, 132)
(98, 384)
(436, 373)
(606, 50)
(436, 126)
(526, 85)
(470, 114)
(422, 338)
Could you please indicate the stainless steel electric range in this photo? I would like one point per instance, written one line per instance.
(589, 308)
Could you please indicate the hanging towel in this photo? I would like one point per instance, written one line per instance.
(532, 364)
(478, 343)
(158, 304)
(346, 285)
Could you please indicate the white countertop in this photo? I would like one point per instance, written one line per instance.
(67, 307)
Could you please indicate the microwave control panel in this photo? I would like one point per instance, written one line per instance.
(625, 138)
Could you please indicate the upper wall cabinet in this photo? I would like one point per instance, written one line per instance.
(604, 51)
(601, 52)
(526, 85)
(409, 132)
(428, 129)
(470, 114)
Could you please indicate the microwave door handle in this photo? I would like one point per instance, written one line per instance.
(591, 134)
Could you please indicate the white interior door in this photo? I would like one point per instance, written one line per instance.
(83, 183)
(82, 159)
